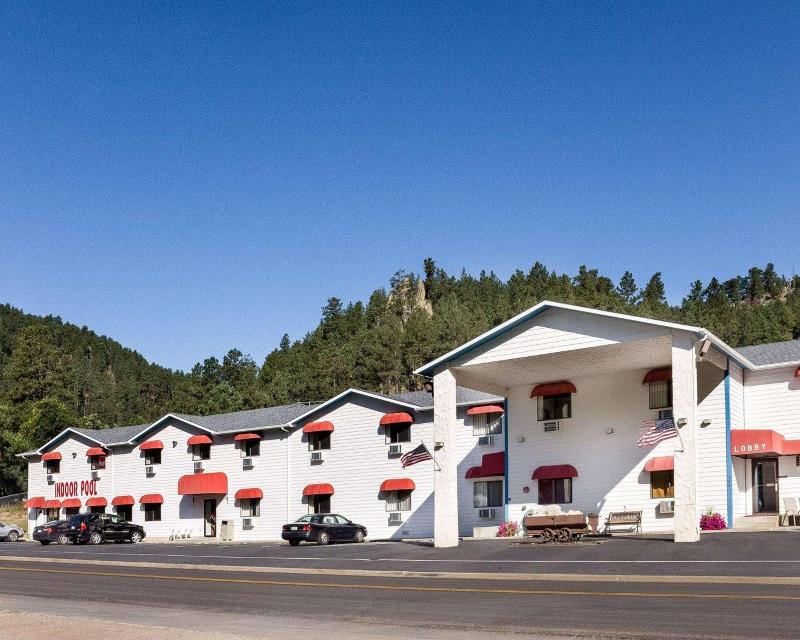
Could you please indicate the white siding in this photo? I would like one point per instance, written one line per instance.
(712, 481)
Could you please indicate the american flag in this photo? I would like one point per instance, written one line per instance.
(420, 454)
(654, 431)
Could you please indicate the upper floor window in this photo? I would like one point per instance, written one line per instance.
(554, 407)
(251, 448)
(660, 394)
(319, 440)
(53, 466)
(201, 452)
(485, 424)
(398, 433)
(152, 456)
(98, 462)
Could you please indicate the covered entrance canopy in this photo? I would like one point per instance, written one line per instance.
(760, 443)
(198, 484)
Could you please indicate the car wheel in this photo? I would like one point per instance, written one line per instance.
(13, 536)
(95, 537)
(323, 538)
(44, 542)
(136, 537)
(359, 537)
(294, 543)
(63, 538)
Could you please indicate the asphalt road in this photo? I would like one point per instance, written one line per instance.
(609, 596)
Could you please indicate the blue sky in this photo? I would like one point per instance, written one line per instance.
(191, 177)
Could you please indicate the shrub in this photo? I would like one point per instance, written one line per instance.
(507, 530)
(712, 522)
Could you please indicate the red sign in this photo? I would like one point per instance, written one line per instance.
(74, 489)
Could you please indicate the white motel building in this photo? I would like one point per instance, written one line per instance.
(545, 408)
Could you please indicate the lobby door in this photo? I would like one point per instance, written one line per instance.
(210, 518)
(765, 485)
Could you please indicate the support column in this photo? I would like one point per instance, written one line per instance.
(445, 504)
(684, 408)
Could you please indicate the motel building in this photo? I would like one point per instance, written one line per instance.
(546, 408)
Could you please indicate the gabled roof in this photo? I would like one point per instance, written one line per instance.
(774, 353)
(429, 368)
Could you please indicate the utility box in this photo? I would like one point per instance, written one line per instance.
(226, 530)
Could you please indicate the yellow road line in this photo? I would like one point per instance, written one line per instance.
(787, 581)
(380, 587)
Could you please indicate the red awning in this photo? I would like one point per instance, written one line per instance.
(123, 501)
(71, 503)
(53, 455)
(34, 503)
(660, 463)
(96, 502)
(151, 498)
(398, 484)
(200, 439)
(797, 373)
(151, 444)
(492, 464)
(658, 375)
(553, 471)
(197, 484)
(557, 388)
(249, 494)
(487, 408)
(52, 504)
(247, 436)
(319, 427)
(396, 418)
(318, 490)
(748, 443)
(95, 451)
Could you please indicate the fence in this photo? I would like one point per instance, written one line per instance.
(12, 498)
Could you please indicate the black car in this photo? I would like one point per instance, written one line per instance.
(53, 531)
(323, 528)
(96, 528)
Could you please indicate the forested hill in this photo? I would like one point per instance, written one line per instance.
(54, 374)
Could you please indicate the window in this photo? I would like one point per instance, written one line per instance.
(251, 448)
(125, 512)
(152, 456)
(554, 407)
(486, 424)
(662, 484)
(115, 519)
(53, 466)
(487, 494)
(250, 507)
(97, 509)
(398, 433)
(201, 452)
(319, 440)
(98, 462)
(50, 514)
(660, 394)
(152, 512)
(71, 511)
(555, 491)
(398, 500)
(319, 504)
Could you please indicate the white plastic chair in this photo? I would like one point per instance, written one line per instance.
(790, 508)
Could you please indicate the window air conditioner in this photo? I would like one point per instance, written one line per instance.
(316, 456)
(395, 450)
(395, 518)
(50, 479)
(550, 427)
(666, 506)
(247, 463)
(149, 471)
(95, 475)
(247, 523)
(486, 514)
(485, 441)
(198, 466)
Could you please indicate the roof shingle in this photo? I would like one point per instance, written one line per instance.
(772, 353)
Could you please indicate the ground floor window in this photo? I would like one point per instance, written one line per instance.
(250, 507)
(152, 512)
(487, 494)
(97, 509)
(125, 512)
(50, 514)
(662, 484)
(555, 491)
(71, 511)
(398, 500)
(319, 504)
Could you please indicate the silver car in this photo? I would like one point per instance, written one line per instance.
(10, 532)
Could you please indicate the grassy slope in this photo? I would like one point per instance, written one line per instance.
(14, 514)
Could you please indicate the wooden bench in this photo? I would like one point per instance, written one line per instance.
(630, 519)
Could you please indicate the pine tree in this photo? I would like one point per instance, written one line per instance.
(627, 288)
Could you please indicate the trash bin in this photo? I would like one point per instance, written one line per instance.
(226, 530)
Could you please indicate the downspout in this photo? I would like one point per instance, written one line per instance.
(505, 460)
(285, 430)
(728, 458)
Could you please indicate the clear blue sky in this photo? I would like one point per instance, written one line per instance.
(191, 177)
